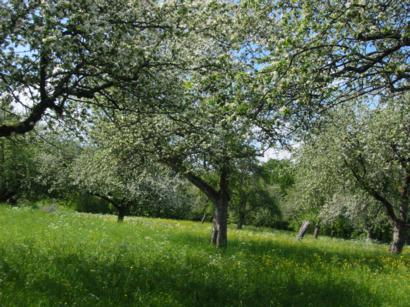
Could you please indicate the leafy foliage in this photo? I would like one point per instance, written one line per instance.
(361, 155)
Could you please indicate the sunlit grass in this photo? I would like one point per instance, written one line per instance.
(57, 259)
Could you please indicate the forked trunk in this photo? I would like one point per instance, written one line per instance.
(220, 224)
(399, 239)
(220, 200)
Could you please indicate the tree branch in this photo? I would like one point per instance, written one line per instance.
(374, 193)
(203, 186)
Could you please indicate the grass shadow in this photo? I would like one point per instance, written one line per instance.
(88, 281)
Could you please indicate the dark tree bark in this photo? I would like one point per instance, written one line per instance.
(220, 221)
(8, 197)
(120, 205)
(303, 229)
(241, 221)
(408, 236)
(241, 214)
(220, 224)
(316, 231)
(399, 238)
(2, 154)
(220, 200)
(121, 211)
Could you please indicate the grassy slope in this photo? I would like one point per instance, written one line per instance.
(86, 260)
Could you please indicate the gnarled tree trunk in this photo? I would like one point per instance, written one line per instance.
(220, 224)
(220, 199)
(399, 238)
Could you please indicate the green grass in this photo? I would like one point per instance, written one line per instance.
(57, 259)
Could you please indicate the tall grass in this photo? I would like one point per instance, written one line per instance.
(58, 259)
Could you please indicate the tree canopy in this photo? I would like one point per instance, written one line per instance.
(160, 93)
(364, 150)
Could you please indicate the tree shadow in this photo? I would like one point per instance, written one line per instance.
(125, 279)
(303, 252)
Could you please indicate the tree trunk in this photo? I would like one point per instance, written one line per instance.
(214, 235)
(368, 230)
(369, 234)
(241, 220)
(120, 214)
(316, 231)
(7, 197)
(203, 218)
(408, 236)
(220, 201)
(399, 238)
(220, 224)
(303, 229)
(2, 153)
